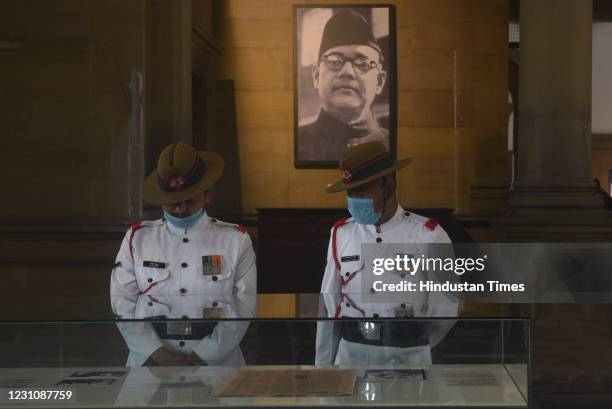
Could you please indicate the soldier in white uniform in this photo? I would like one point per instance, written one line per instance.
(183, 385)
(184, 253)
(368, 176)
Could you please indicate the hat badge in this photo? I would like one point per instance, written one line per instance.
(347, 176)
(175, 182)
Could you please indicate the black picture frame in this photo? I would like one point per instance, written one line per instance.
(389, 46)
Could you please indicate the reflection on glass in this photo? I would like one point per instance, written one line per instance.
(183, 330)
(369, 391)
(350, 341)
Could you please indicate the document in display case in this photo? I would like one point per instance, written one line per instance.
(257, 350)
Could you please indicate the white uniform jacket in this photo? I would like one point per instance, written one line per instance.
(344, 296)
(157, 258)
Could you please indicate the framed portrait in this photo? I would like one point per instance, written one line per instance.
(344, 70)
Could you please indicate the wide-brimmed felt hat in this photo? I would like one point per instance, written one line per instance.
(363, 163)
(182, 173)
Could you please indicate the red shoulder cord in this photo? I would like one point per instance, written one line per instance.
(339, 223)
(146, 290)
(351, 303)
(343, 281)
(134, 227)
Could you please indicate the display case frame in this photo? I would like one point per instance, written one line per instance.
(481, 361)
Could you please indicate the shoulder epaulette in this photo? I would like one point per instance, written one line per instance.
(137, 226)
(240, 227)
(337, 225)
(416, 219)
(151, 223)
(431, 224)
(343, 221)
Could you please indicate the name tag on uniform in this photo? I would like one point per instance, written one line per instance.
(154, 264)
(349, 258)
(211, 265)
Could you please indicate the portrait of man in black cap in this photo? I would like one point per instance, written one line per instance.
(345, 100)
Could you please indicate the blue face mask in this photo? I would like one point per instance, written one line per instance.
(184, 222)
(362, 210)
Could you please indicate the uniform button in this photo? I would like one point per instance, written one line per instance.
(185, 240)
(215, 303)
(184, 265)
(375, 315)
(348, 305)
(213, 220)
(150, 304)
(150, 280)
(403, 305)
(183, 291)
(214, 278)
(406, 213)
(185, 317)
(182, 343)
(347, 274)
(378, 240)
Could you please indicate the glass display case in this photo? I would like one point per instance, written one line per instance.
(265, 350)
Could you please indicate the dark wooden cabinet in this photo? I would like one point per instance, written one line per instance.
(292, 245)
(292, 248)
